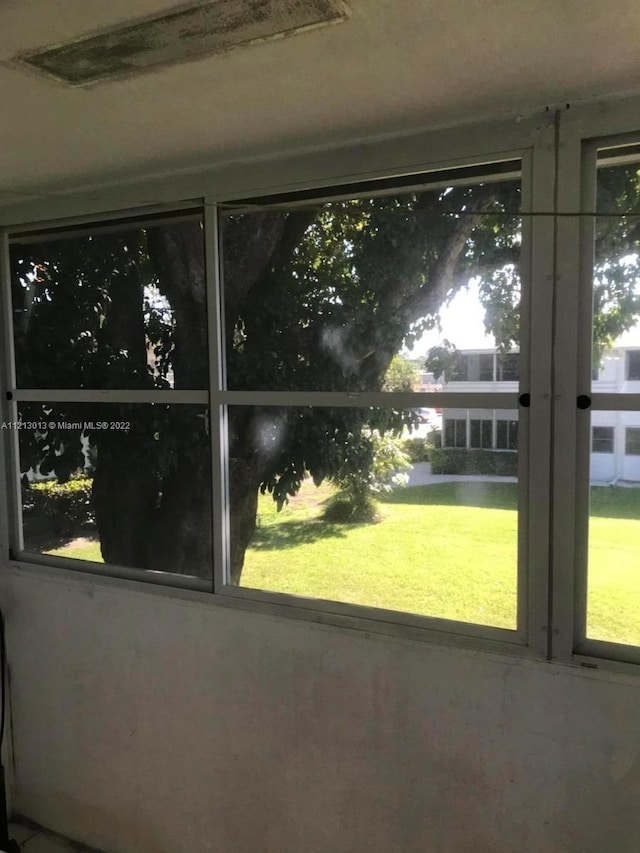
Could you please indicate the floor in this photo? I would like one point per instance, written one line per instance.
(32, 839)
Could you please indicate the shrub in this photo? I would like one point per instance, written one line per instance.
(416, 449)
(66, 506)
(456, 460)
(419, 449)
(434, 438)
(376, 467)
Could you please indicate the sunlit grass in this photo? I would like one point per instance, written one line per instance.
(437, 551)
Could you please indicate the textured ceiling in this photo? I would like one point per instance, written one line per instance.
(394, 65)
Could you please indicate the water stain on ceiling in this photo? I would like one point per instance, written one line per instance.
(181, 34)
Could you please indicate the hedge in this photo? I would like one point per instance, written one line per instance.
(456, 460)
(66, 506)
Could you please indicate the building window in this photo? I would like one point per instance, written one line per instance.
(602, 439)
(508, 367)
(460, 370)
(633, 365)
(481, 433)
(506, 435)
(632, 441)
(486, 368)
(455, 432)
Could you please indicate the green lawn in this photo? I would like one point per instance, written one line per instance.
(406, 561)
(446, 550)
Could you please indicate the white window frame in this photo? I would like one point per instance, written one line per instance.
(531, 140)
(582, 132)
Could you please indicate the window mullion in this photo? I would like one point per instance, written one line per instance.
(535, 422)
(571, 436)
(11, 530)
(217, 411)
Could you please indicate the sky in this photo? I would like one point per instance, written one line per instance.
(462, 324)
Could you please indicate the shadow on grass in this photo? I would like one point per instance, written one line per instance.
(42, 540)
(291, 533)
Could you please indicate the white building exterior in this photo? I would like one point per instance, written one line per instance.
(615, 435)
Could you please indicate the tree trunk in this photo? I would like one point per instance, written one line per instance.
(243, 510)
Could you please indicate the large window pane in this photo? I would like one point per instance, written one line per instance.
(342, 526)
(371, 293)
(613, 588)
(112, 308)
(613, 582)
(127, 485)
(616, 275)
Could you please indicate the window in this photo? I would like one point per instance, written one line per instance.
(602, 440)
(338, 307)
(607, 580)
(632, 441)
(118, 417)
(506, 435)
(112, 446)
(460, 371)
(507, 366)
(486, 368)
(455, 432)
(481, 433)
(633, 365)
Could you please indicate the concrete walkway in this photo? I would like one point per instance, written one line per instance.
(420, 475)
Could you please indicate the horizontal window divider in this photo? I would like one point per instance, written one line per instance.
(86, 395)
(437, 625)
(615, 402)
(87, 568)
(393, 399)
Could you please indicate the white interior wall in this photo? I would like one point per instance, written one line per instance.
(147, 723)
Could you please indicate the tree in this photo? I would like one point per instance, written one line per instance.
(378, 465)
(443, 360)
(401, 375)
(317, 297)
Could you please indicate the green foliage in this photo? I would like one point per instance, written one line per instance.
(455, 460)
(416, 449)
(401, 375)
(420, 449)
(434, 438)
(442, 360)
(65, 506)
(375, 467)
